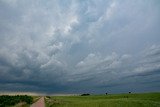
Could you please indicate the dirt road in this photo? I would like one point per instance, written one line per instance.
(39, 103)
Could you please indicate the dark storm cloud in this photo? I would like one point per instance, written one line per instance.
(78, 46)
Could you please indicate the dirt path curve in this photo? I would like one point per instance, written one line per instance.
(39, 103)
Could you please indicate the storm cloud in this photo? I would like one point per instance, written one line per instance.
(75, 46)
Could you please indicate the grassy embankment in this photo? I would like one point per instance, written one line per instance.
(119, 100)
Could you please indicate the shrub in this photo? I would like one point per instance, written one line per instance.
(85, 94)
(6, 100)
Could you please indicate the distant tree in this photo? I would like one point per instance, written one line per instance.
(85, 94)
(129, 92)
(106, 93)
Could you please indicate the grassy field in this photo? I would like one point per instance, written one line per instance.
(119, 100)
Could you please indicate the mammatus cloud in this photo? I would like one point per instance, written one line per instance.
(77, 46)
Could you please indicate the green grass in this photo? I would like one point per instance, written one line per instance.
(119, 100)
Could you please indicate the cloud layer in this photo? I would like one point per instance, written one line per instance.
(79, 46)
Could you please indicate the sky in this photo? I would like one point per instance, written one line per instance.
(79, 46)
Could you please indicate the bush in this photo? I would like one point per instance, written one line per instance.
(48, 97)
(6, 100)
(85, 94)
